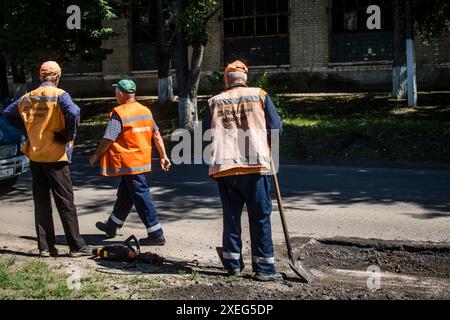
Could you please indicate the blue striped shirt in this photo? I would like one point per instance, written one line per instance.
(114, 128)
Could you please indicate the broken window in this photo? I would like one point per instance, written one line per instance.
(144, 34)
(351, 40)
(256, 30)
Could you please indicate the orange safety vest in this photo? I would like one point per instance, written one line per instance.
(239, 135)
(131, 153)
(42, 117)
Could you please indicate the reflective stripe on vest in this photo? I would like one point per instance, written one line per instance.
(109, 172)
(131, 153)
(42, 117)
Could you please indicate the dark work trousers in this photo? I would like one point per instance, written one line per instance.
(54, 177)
(134, 190)
(254, 191)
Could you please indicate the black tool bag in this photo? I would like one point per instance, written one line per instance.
(125, 252)
(121, 252)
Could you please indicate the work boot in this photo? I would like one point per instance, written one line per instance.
(234, 272)
(53, 252)
(152, 241)
(265, 277)
(84, 251)
(107, 227)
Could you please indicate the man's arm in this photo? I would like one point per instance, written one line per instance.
(207, 120)
(103, 146)
(273, 119)
(112, 132)
(72, 115)
(159, 143)
(12, 115)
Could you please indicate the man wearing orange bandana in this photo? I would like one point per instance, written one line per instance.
(241, 169)
(50, 119)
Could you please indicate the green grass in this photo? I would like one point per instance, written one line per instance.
(354, 127)
(36, 280)
(145, 283)
(336, 128)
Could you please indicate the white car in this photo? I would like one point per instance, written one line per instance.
(12, 161)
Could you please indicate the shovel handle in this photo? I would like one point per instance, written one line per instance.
(281, 209)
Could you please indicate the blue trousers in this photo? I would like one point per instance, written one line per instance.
(252, 190)
(134, 190)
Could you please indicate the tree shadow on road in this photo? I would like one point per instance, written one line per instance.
(188, 193)
(345, 187)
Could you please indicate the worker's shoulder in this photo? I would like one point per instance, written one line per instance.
(55, 90)
(132, 108)
(256, 91)
(241, 91)
(143, 108)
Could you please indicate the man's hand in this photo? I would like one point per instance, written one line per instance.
(93, 159)
(165, 164)
(101, 149)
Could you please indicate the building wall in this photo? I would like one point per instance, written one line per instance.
(309, 66)
(433, 63)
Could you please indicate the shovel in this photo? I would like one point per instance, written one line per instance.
(304, 274)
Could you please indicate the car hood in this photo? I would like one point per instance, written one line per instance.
(8, 134)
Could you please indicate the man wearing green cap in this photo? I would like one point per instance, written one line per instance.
(126, 151)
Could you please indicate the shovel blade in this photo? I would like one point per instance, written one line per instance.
(300, 270)
(219, 251)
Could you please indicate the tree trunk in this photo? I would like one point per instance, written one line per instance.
(35, 78)
(182, 71)
(19, 80)
(4, 91)
(165, 90)
(399, 70)
(410, 55)
(165, 83)
(188, 78)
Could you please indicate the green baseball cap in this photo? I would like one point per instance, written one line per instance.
(126, 85)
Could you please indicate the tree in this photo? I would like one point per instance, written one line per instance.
(399, 48)
(431, 18)
(165, 83)
(191, 18)
(34, 31)
(4, 92)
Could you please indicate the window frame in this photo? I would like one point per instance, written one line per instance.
(387, 5)
(255, 34)
(140, 27)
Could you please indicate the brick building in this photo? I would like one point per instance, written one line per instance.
(311, 45)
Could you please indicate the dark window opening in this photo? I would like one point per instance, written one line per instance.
(256, 30)
(79, 65)
(351, 40)
(144, 34)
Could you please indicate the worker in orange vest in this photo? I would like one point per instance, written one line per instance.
(241, 168)
(50, 118)
(126, 151)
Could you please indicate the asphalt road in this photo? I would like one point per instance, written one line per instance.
(320, 201)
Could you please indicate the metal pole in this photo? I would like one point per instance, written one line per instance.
(410, 56)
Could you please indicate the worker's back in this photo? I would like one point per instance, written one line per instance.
(239, 130)
(42, 117)
(131, 153)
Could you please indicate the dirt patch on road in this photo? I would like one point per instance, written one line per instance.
(342, 271)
